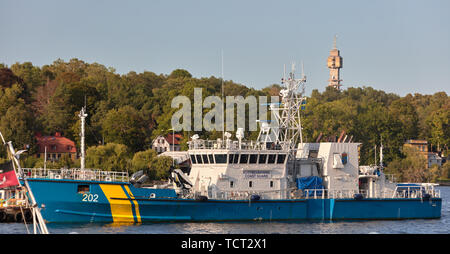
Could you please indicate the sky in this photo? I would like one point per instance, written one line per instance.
(399, 46)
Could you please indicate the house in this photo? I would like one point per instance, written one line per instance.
(434, 158)
(170, 142)
(55, 146)
(419, 145)
(422, 147)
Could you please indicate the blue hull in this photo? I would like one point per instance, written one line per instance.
(90, 201)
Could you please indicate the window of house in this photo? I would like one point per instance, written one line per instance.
(250, 184)
(231, 184)
(271, 184)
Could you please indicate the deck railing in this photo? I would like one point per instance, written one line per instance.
(76, 174)
(411, 193)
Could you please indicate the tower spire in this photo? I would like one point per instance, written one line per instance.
(334, 41)
(334, 63)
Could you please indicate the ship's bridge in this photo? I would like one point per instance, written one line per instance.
(229, 167)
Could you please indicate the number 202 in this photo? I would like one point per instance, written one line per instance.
(90, 197)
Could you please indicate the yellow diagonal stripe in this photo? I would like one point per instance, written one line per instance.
(136, 205)
(121, 210)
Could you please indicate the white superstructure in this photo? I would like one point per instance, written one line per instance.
(271, 166)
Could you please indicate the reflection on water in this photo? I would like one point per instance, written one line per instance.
(430, 226)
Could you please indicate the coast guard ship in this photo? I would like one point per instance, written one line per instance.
(276, 177)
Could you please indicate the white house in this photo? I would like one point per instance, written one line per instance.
(166, 143)
(434, 158)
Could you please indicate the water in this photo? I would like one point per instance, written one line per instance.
(430, 226)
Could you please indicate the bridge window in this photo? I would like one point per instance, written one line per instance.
(281, 158)
(253, 158)
(220, 158)
(244, 159)
(271, 159)
(236, 158)
(205, 158)
(262, 158)
(199, 159)
(193, 160)
(231, 158)
(211, 158)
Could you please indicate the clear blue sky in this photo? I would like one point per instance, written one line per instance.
(397, 46)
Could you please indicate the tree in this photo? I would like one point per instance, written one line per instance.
(8, 78)
(440, 127)
(124, 126)
(180, 73)
(160, 167)
(156, 167)
(112, 157)
(413, 168)
(403, 111)
(143, 160)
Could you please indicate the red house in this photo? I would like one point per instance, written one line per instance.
(56, 147)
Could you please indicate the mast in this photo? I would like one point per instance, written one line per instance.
(289, 119)
(223, 106)
(381, 154)
(288, 128)
(82, 116)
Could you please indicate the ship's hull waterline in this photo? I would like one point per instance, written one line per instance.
(91, 201)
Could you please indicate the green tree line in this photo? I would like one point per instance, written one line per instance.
(126, 112)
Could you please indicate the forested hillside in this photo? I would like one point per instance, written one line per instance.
(128, 111)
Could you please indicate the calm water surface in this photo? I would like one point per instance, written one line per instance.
(430, 226)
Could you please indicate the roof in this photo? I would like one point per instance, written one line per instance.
(413, 141)
(55, 144)
(173, 139)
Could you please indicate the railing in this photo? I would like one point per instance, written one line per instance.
(76, 174)
(415, 192)
(345, 194)
(232, 145)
